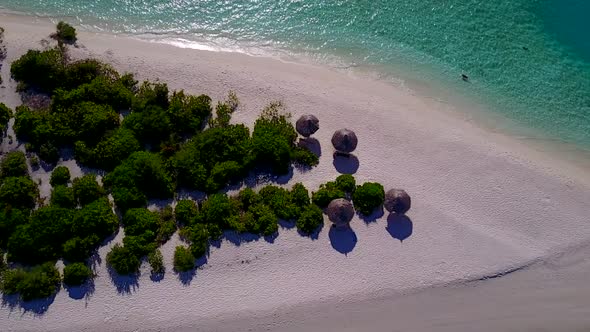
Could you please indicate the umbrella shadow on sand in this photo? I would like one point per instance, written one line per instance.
(346, 163)
(311, 144)
(399, 226)
(343, 239)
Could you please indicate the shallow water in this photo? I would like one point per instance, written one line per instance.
(526, 59)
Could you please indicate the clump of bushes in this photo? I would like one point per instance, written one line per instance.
(183, 259)
(65, 33)
(144, 231)
(76, 274)
(39, 282)
(367, 197)
(142, 176)
(60, 176)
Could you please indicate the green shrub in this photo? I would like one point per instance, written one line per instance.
(109, 152)
(183, 259)
(86, 189)
(326, 193)
(41, 239)
(14, 164)
(77, 249)
(43, 70)
(299, 195)
(273, 139)
(187, 113)
(60, 176)
(63, 196)
(310, 219)
(156, 261)
(19, 193)
(185, 211)
(166, 225)
(65, 33)
(304, 157)
(279, 200)
(49, 153)
(368, 197)
(10, 219)
(198, 237)
(346, 183)
(225, 152)
(141, 176)
(217, 209)
(122, 260)
(95, 218)
(76, 274)
(37, 283)
(5, 115)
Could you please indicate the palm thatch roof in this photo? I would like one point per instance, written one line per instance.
(340, 212)
(344, 140)
(307, 125)
(398, 201)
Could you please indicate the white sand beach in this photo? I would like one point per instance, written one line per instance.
(496, 240)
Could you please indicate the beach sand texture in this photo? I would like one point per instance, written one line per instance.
(483, 205)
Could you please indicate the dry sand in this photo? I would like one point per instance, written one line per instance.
(485, 205)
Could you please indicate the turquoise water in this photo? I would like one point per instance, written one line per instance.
(527, 59)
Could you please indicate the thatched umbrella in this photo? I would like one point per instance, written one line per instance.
(398, 201)
(307, 125)
(344, 140)
(340, 212)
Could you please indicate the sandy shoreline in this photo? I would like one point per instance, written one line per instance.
(484, 203)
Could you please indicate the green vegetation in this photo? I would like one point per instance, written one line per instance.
(144, 232)
(122, 260)
(346, 183)
(86, 189)
(14, 164)
(138, 178)
(62, 196)
(76, 274)
(39, 282)
(156, 261)
(310, 220)
(185, 211)
(368, 197)
(147, 142)
(5, 115)
(65, 33)
(60, 176)
(183, 259)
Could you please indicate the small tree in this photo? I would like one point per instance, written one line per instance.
(368, 197)
(76, 274)
(65, 33)
(156, 261)
(60, 176)
(183, 259)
